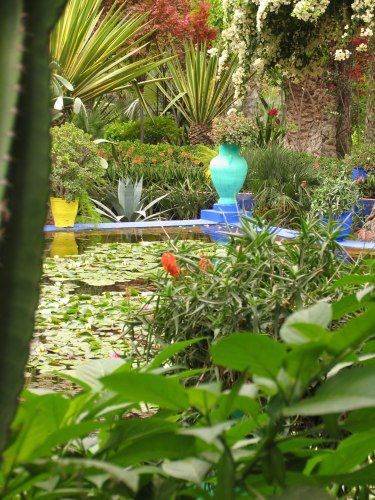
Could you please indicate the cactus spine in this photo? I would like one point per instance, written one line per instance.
(24, 159)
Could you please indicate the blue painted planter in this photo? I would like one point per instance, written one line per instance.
(343, 222)
(358, 172)
(364, 207)
(228, 172)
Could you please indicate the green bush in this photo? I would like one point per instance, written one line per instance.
(180, 171)
(335, 196)
(362, 155)
(298, 422)
(280, 178)
(255, 285)
(77, 167)
(156, 129)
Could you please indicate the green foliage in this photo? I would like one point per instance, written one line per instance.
(24, 172)
(257, 438)
(335, 195)
(76, 164)
(234, 129)
(156, 129)
(270, 129)
(254, 285)
(180, 171)
(280, 178)
(197, 89)
(331, 167)
(106, 53)
(362, 155)
(128, 204)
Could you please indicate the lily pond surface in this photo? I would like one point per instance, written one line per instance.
(86, 296)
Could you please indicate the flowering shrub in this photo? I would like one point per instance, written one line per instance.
(362, 155)
(233, 129)
(282, 34)
(169, 263)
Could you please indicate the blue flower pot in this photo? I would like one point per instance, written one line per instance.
(228, 172)
(358, 172)
(344, 222)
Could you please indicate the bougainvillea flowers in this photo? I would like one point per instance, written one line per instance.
(169, 263)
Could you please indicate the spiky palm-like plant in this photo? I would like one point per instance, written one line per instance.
(100, 54)
(199, 91)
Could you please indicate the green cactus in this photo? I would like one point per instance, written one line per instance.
(24, 166)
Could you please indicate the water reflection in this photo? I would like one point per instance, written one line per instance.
(64, 245)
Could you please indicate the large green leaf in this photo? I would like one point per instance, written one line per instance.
(259, 354)
(350, 453)
(170, 351)
(319, 314)
(303, 492)
(191, 469)
(350, 389)
(145, 387)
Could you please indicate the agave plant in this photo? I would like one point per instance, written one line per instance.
(129, 203)
(97, 54)
(198, 90)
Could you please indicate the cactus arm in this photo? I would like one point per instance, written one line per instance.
(10, 72)
(22, 240)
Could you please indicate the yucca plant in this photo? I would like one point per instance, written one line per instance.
(100, 54)
(198, 90)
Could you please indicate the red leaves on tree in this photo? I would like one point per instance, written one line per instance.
(174, 22)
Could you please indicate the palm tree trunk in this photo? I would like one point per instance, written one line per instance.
(310, 112)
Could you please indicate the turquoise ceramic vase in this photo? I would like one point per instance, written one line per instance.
(228, 172)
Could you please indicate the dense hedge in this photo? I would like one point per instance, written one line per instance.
(156, 129)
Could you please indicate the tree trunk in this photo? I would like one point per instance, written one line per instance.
(251, 100)
(345, 113)
(310, 113)
(199, 134)
(370, 106)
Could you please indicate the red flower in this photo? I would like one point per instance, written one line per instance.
(205, 263)
(278, 121)
(272, 112)
(169, 263)
(331, 86)
(360, 179)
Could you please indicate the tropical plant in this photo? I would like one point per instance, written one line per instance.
(156, 129)
(335, 196)
(129, 204)
(106, 53)
(76, 164)
(269, 125)
(255, 285)
(281, 179)
(234, 129)
(297, 422)
(24, 173)
(198, 90)
(362, 155)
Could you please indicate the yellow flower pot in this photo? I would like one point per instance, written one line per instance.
(64, 212)
(64, 244)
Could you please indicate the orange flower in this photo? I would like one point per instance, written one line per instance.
(360, 180)
(316, 165)
(205, 263)
(170, 151)
(161, 153)
(153, 160)
(169, 263)
(184, 154)
(196, 162)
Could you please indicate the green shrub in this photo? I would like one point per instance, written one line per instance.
(156, 129)
(298, 422)
(280, 178)
(362, 155)
(254, 286)
(335, 196)
(331, 167)
(77, 167)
